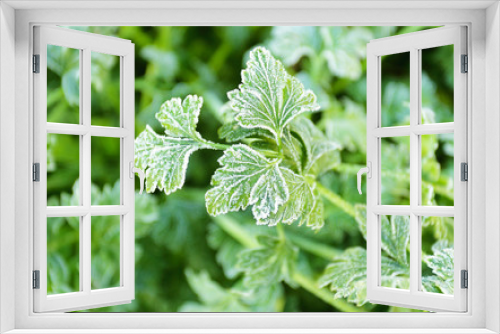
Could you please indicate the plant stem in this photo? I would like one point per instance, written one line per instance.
(325, 295)
(236, 231)
(313, 247)
(248, 240)
(215, 145)
(336, 200)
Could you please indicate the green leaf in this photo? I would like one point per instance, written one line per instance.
(272, 263)
(442, 265)
(180, 118)
(246, 178)
(233, 132)
(165, 158)
(347, 275)
(292, 43)
(227, 250)
(321, 154)
(395, 237)
(269, 98)
(300, 202)
(214, 298)
(344, 48)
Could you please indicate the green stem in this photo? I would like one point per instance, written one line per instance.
(313, 247)
(336, 200)
(236, 231)
(216, 146)
(325, 295)
(248, 240)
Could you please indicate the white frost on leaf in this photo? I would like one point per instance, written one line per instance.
(165, 158)
(246, 178)
(268, 97)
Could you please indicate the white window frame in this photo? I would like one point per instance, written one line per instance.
(85, 43)
(483, 132)
(413, 44)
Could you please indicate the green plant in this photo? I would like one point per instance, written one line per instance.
(272, 163)
(274, 167)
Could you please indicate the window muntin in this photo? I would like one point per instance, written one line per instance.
(419, 134)
(97, 286)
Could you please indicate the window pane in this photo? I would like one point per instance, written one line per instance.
(63, 170)
(105, 89)
(437, 169)
(63, 255)
(437, 84)
(105, 165)
(395, 170)
(395, 99)
(63, 84)
(395, 251)
(105, 248)
(437, 255)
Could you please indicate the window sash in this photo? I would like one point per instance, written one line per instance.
(86, 297)
(412, 43)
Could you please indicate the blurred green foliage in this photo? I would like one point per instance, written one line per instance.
(189, 261)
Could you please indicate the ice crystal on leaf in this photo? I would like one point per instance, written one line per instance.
(246, 178)
(165, 158)
(268, 97)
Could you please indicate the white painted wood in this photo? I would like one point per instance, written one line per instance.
(413, 43)
(472, 321)
(77, 129)
(7, 167)
(86, 297)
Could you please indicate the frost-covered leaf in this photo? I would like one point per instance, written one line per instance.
(233, 132)
(268, 97)
(246, 178)
(442, 264)
(292, 43)
(292, 152)
(321, 154)
(346, 276)
(165, 158)
(344, 48)
(272, 263)
(395, 237)
(180, 118)
(300, 202)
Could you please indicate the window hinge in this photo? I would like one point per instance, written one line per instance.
(36, 279)
(36, 63)
(465, 279)
(465, 64)
(464, 171)
(36, 172)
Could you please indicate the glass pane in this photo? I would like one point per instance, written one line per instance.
(395, 99)
(437, 84)
(105, 248)
(395, 170)
(63, 255)
(437, 169)
(395, 251)
(63, 84)
(63, 169)
(437, 255)
(105, 90)
(105, 166)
